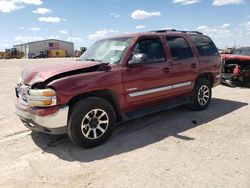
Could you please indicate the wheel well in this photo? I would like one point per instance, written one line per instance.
(208, 76)
(108, 95)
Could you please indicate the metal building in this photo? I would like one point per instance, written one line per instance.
(45, 46)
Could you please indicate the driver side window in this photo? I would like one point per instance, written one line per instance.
(152, 48)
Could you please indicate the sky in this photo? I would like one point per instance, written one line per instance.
(83, 22)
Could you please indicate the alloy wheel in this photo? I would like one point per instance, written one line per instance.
(95, 123)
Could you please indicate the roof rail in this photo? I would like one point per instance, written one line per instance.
(174, 30)
(164, 30)
(197, 32)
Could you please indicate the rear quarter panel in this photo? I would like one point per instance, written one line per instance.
(211, 64)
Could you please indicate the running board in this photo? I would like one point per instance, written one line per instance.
(157, 108)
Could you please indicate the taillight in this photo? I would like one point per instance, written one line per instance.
(236, 70)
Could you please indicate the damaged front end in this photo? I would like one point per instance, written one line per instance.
(37, 103)
(236, 71)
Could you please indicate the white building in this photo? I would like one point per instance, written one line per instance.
(46, 45)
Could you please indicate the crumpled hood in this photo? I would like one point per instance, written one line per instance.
(236, 57)
(44, 71)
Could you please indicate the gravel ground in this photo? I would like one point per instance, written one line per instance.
(174, 148)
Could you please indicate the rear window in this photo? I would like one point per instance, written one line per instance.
(204, 45)
(179, 47)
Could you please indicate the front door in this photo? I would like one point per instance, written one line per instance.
(148, 82)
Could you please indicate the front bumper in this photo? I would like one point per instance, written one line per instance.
(51, 124)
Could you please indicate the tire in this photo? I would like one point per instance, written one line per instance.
(201, 95)
(85, 128)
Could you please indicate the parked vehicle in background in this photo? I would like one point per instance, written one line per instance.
(78, 53)
(11, 53)
(40, 55)
(116, 79)
(227, 51)
(236, 67)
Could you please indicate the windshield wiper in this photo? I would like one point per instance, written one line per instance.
(91, 59)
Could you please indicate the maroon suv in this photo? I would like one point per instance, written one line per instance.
(118, 78)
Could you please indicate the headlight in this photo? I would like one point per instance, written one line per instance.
(41, 97)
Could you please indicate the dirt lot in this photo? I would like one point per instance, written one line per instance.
(174, 148)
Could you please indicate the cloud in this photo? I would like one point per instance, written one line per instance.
(50, 19)
(246, 25)
(142, 14)
(101, 34)
(186, 2)
(21, 28)
(7, 6)
(42, 11)
(54, 37)
(31, 2)
(75, 39)
(115, 15)
(202, 27)
(215, 31)
(226, 2)
(35, 29)
(225, 25)
(6, 45)
(63, 31)
(27, 38)
(140, 27)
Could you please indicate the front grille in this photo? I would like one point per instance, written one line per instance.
(22, 92)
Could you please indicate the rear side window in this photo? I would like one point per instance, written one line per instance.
(204, 45)
(179, 47)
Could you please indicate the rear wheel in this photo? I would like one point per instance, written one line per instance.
(91, 122)
(201, 95)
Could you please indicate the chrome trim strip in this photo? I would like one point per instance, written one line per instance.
(139, 93)
(132, 89)
(155, 90)
(182, 85)
(218, 76)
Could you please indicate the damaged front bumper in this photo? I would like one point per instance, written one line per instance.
(55, 123)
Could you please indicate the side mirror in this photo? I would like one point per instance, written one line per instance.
(138, 58)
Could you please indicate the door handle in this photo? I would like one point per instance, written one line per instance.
(166, 69)
(193, 65)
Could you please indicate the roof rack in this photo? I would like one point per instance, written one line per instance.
(174, 30)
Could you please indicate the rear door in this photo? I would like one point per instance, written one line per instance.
(184, 64)
(148, 82)
(209, 56)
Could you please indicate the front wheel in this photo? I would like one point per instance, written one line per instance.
(201, 95)
(91, 122)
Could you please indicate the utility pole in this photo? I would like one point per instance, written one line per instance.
(70, 32)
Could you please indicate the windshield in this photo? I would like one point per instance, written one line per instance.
(242, 51)
(107, 50)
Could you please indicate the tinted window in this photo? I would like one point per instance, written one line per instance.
(152, 47)
(204, 45)
(179, 48)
